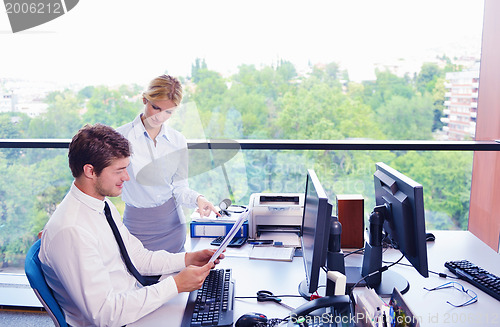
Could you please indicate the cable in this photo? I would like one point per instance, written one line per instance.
(384, 268)
(354, 252)
(254, 297)
(443, 275)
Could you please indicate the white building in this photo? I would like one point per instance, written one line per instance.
(8, 102)
(32, 109)
(461, 104)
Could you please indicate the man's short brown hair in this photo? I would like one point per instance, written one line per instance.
(96, 145)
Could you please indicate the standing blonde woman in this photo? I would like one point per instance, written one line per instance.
(158, 170)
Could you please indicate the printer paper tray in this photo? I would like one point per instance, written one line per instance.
(289, 239)
(278, 229)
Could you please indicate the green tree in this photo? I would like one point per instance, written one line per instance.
(427, 77)
(56, 171)
(86, 92)
(438, 94)
(208, 92)
(285, 72)
(446, 179)
(198, 66)
(407, 119)
(385, 87)
(62, 119)
(110, 107)
(254, 112)
(328, 74)
(309, 113)
(10, 129)
(22, 186)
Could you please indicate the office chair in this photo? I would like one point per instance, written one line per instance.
(33, 269)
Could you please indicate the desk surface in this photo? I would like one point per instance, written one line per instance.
(284, 277)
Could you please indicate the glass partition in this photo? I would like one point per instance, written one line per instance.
(34, 181)
(445, 176)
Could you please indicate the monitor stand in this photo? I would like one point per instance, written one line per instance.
(385, 280)
(390, 280)
(304, 290)
(382, 284)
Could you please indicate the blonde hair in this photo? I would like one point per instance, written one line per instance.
(164, 87)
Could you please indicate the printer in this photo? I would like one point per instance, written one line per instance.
(272, 213)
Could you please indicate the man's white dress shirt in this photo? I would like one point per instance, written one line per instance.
(82, 264)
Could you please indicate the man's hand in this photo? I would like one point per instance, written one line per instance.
(192, 277)
(205, 207)
(200, 258)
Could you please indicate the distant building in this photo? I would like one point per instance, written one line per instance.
(32, 109)
(461, 104)
(8, 102)
(11, 103)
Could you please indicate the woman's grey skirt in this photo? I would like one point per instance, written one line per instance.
(158, 228)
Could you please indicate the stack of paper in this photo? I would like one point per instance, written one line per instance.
(279, 253)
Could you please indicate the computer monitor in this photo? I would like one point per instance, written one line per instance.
(404, 222)
(397, 218)
(314, 233)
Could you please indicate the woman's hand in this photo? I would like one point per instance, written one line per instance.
(205, 207)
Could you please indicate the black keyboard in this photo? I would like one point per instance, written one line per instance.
(475, 275)
(212, 304)
(235, 241)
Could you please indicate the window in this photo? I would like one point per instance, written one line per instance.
(283, 70)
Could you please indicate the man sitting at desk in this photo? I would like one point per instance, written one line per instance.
(80, 255)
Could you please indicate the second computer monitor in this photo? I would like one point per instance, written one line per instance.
(398, 219)
(404, 218)
(315, 232)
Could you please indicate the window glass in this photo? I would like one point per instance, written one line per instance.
(257, 70)
(34, 182)
(330, 70)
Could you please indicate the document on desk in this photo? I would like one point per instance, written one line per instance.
(287, 239)
(237, 225)
(279, 253)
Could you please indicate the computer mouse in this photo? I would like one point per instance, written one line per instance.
(251, 319)
(429, 237)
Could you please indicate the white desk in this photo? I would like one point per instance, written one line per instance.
(431, 307)
(283, 278)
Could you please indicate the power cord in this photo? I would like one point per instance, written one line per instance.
(267, 296)
(254, 297)
(378, 271)
(263, 296)
(386, 243)
(354, 252)
(443, 275)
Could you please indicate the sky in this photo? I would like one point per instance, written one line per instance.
(122, 41)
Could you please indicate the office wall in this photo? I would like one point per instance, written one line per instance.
(484, 214)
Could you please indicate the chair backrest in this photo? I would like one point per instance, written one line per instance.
(33, 269)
